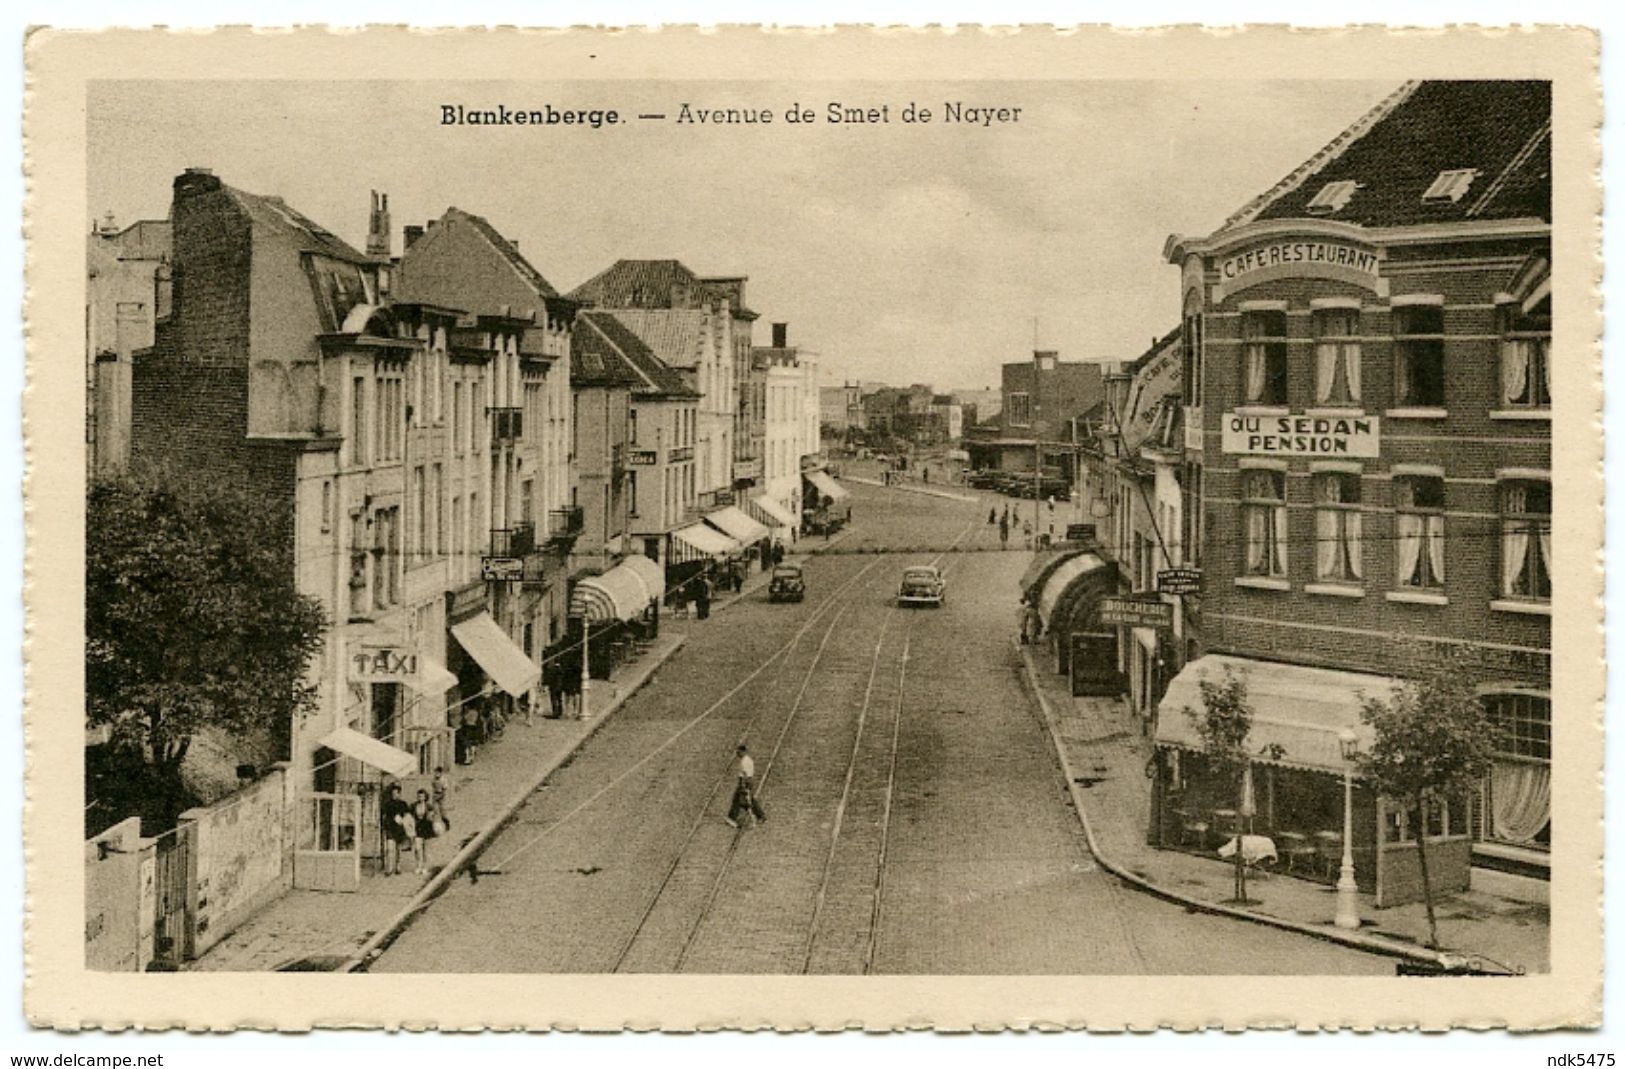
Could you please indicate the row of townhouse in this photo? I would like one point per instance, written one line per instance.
(470, 457)
(1341, 461)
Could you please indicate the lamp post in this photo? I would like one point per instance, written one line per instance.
(1348, 892)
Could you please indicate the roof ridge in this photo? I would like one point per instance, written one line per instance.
(509, 251)
(1327, 154)
(1520, 158)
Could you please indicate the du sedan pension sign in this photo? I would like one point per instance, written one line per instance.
(1291, 436)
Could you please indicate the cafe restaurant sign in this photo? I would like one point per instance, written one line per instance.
(1301, 436)
(1298, 258)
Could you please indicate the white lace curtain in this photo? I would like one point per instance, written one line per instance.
(1266, 524)
(1520, 800)
(1514, 370)
(1337, 360)
(1337, 531)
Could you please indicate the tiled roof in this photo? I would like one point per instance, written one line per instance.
(652, 284)
(635, 284)
(672, 333)
(595, 361)
(602, 332)
(1500, 129)
(273, 215)
(509, 251)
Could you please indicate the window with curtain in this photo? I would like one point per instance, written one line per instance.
(1419, 356)
(1264, 522)
(1419, 532)
(1519, 791)
(1337, 527)
(1526, 540)
(1264, 359)
(1526, 380)
(1337, 357)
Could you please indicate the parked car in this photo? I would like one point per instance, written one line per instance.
(787, 584)
(922, 585)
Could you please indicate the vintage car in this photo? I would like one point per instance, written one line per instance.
(922, 585)
(787, 584)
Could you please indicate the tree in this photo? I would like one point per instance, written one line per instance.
(192, 619)
(1223, 726)
(1434, 741)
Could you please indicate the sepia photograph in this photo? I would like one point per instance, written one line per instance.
(849, 526)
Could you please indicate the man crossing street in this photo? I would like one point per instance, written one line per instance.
(744, 800)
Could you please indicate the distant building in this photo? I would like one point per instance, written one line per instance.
(785, 402)
(1039, 400)
(127, 290)
(692, 325)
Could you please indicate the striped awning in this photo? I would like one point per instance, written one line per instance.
(736, 525)
(774, 512)
(622, 593)
(705, 541)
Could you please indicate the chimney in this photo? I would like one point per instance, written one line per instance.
(781, 335)
(409, 236)
(378, 225)
(196, 180)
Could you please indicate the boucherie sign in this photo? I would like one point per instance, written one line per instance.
(1292, 436)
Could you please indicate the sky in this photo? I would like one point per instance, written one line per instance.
(898, 252)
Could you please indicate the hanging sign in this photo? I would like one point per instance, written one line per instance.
(383, 664)
(1180, 581)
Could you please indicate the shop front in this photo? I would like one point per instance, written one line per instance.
(1067, 602)
(1304, 720)
(612, 613)
(696, 550)
(825, 504)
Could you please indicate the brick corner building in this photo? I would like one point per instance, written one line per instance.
(1367, 455)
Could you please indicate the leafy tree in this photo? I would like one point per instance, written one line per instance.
(192, 618)
(1434, 741)
(1223, 725)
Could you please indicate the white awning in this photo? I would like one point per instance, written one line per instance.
(774, 511)
(736, 525)
(496, 653)
(622, 593)
(709, 541)
(432, 678)
(1301, 710)
(826, 486)
(1060, 579)
(370, 751)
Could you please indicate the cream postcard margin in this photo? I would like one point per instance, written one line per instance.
(61, 993)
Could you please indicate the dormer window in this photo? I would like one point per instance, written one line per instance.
(1332, 197)
(1449, 186)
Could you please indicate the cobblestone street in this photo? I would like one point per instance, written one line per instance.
(918, 821)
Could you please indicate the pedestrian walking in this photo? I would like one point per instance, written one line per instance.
(394, 828)
(778, 553)
(744, 799)
(423, 830)
(1027, 532)
(1004, 531)
(440, 795)
(992, 517)
(553, 676)
(736, 572)
(702, 596)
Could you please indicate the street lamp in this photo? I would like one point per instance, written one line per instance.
(1348, 892)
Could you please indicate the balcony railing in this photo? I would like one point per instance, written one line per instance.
(515, 541)
(507, 424)
(565, 523)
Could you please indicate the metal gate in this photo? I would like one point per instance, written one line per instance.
(172, 918)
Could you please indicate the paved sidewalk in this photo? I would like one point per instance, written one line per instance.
(1108, 756)
(913, 488)
(332, 926)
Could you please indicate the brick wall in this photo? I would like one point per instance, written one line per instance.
(1370, 632)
